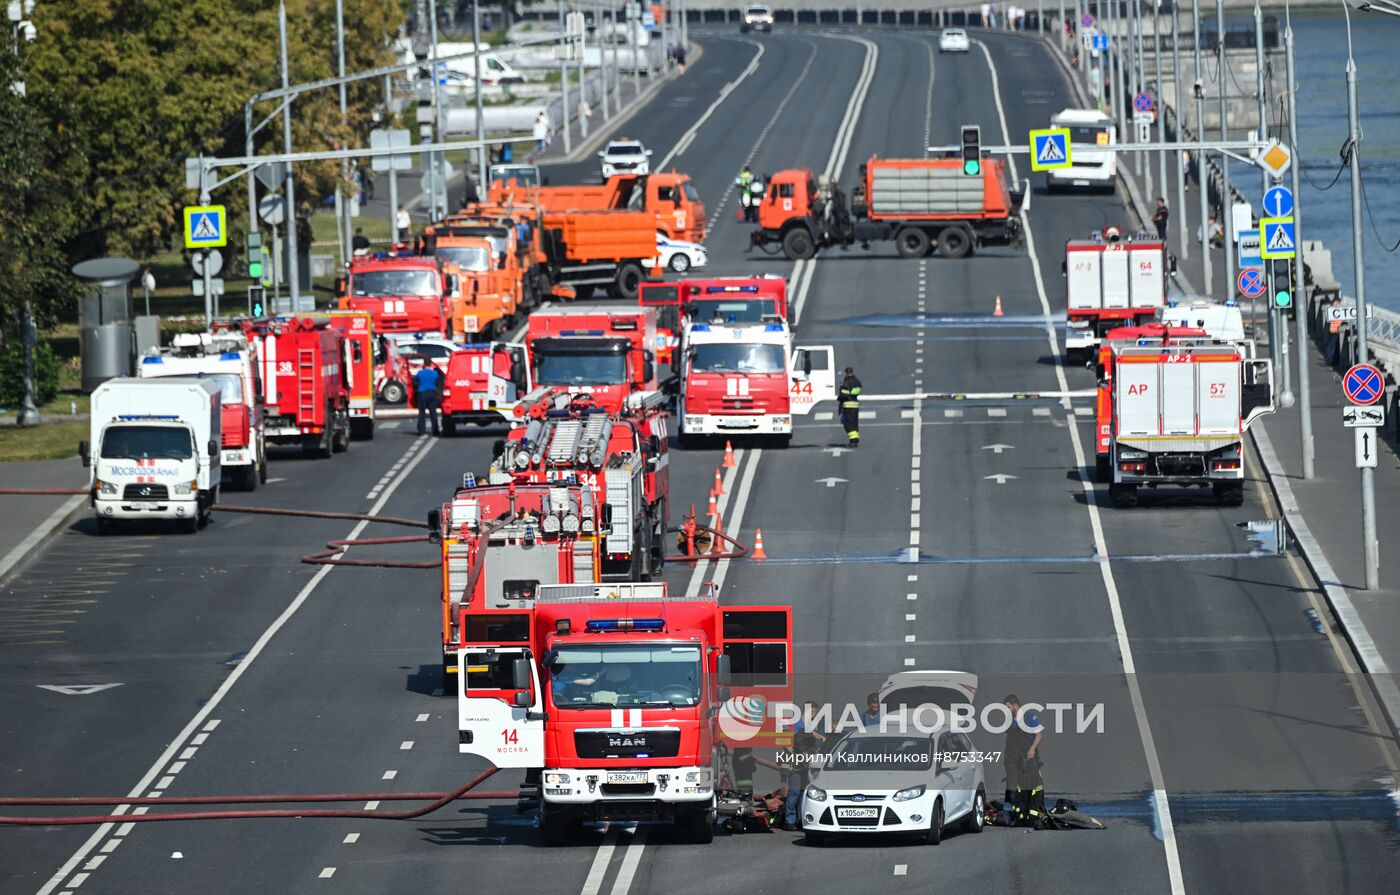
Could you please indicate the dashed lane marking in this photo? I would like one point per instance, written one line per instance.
(350, 839)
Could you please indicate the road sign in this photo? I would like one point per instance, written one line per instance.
(1277, 238)
(1363, 384)
(1250, 282)
(273, 210)
(269, 276)
(1248, 249)
(214, 258)
(1087, 20)
(1241, 219)
(1144, 128)
(204, 227)
(392, 138)
(1278, 202)
(1349, 312)
(216, 287)
(272, 174)
(1366, 443)
(1050, 149)
(1143, 102)
(1364, 417)
(1275, 159)
(1100, 41)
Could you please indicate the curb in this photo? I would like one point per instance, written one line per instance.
(58, 520)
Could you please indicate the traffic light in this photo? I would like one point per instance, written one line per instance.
(1281, 283)
(255, 256)
(972, 150)
(257, 298)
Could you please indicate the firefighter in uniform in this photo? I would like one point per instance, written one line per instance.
(1025, 785)
(848, 396)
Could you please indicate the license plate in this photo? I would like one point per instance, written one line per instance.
(857, 812)
(627, 777)
(143, 504)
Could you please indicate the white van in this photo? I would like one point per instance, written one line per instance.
(1092, 136)
(494, 70)
(155, 450)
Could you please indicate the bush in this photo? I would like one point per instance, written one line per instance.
(47, 369)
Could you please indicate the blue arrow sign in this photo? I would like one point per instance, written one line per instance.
(1251, 282)
(1278, 202)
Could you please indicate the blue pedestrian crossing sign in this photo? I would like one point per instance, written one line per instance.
(1100, 41)
(1050, 149)
(205, 227)
(1277, 238)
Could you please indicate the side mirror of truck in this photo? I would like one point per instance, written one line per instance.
(520, 676)
(806, 363)
(85, 453)
(340, 287)
(648, 365)
(606, 517)
(435, 524)
(521, 700)
(454, 284)
(724, 674)
(212, 448)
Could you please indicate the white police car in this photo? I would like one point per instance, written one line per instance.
(678, 256)
(625, 156)
(953, 40)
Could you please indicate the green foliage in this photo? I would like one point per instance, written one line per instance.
(47, 370)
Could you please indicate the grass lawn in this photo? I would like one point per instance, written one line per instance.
(49, 441)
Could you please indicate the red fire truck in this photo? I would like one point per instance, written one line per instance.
(405, 293)
(306, 385)
(484, 385)
(761, 299)
(622, 458)
(499, 543)
(358, 327)
(228, 358)
(620, 702)
(1179, 408)
(599, 349)
(1110, 284)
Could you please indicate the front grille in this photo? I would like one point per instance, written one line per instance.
(635, 790)
(145, 491)
(651, 743)
(858, 797)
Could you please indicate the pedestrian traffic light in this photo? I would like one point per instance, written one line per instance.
(255, 256)
(1281, 283)
(972, 150)
(256, 297)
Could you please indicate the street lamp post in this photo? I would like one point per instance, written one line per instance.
(1304, 372)
(1227, 216)
(1202, 184)
(480, 116)
(293, 267)
(564, 82)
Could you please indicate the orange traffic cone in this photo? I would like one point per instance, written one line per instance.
(713, 509)
(729, 455)
(718, 489)
(997, 312)
(758, 552)
(718, 530)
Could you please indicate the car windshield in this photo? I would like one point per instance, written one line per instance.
(756, 10)
(752, 310)
(690, 192)
(230, 387)
(603, 367)
(473, 258)
(524, 175)
(626, 675)
(1085, 135)
(625, 149)
(732, 357)
(375, 283)
(146, 443)
(892, 753)
(953, 32)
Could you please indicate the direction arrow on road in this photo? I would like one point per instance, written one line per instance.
(76, 689)
(1365, 448)
(831, 481)
(1000, 478)
(998, 448)
(835, 451)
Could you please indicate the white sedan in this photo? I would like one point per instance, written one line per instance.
(953, 40)
(678, 256)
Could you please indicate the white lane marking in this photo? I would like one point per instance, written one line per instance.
(908, 638)
(111, 846)
(177, 767)
(165, 782)
(189, 753)
(372, 806)
(630, 859)
(1040, 411)
(914, 488)
(125, 828)
(390, 775)
(901, 869)
(350, 839)
(908, 663)
(421, 718)
(913, 577)
(910, 616)
(395, 423)
(405, 745)
(823, 415)
(906, 414)
(78, 880)
(724, 92)
(201, 717)
(913, 520)
(737, 521)
(1084, 411)
(327, 873)
(911, 596)
(95, 863)
(867, 414)
(952, 414)
(996, 411)
(593, 884)
(1160, 804)
(914, 504)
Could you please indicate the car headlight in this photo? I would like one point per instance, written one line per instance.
(106, 488)
(187, 487)
(912, 792)
(816, 794)
(554, 778)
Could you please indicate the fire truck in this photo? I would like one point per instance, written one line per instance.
(761, 299)
(918, 203)
(749, 379)
(358, 327)
(229, 359)
(622, 458)
(1110, 284)
(405, 293)
(598, 349)
(484, 384)
(620, 702)
(499, 543)
(306, 382)
(1178, 405)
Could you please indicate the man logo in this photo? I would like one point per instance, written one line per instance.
(741, 717)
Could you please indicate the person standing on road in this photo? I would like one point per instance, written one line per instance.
(1334, 336)
(1025, 785)
(680, 57)
(541, 131)
(742, 182)
(849, 399)
(427, 393)
(1159, 218)
(404, 223)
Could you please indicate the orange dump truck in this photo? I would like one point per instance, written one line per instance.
(488, 294)
(588, 249)
(670, 197)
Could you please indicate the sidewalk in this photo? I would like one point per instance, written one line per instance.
(1324, 513)
(29, 519)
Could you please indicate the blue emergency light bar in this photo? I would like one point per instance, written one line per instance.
(127, 418)
(152, 360)
(580, 332)
(602, 625)
(229, 355)
(700, 327)
(773, 328)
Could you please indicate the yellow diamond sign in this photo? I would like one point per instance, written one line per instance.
(1275, 159)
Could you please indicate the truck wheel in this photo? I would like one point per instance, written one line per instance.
(555, 827)
(583, 293)
(340, 437)
(1124, 496)
(699, 828)
(628, 282)
(262, 467)
(911, 242)
(362, 429)
(1103, 472)
(105, 526)
(449, 425)
(798, 245)
(954, 243)
(318, 446)
(658, 543)
(191, 525)
(1228, 494)
(393, 392)
(245, 478)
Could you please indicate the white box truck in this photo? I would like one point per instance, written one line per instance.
(155, 450)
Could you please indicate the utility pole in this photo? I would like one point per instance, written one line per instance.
(1183, 236)
(1227, 202)
(480, 116)
(564, 79)
(342, 210)
(1304, 372)
(1202, 185)
(1278, 333)
(1114, 60)
(1062, 24)
(393, 171)
(293, 271)
(1161, 101)
(582, 79)
(603, 64)
(616, 84)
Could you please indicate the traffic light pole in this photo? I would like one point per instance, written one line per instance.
(1304, 372)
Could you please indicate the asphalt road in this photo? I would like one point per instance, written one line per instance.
(1235, 754)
